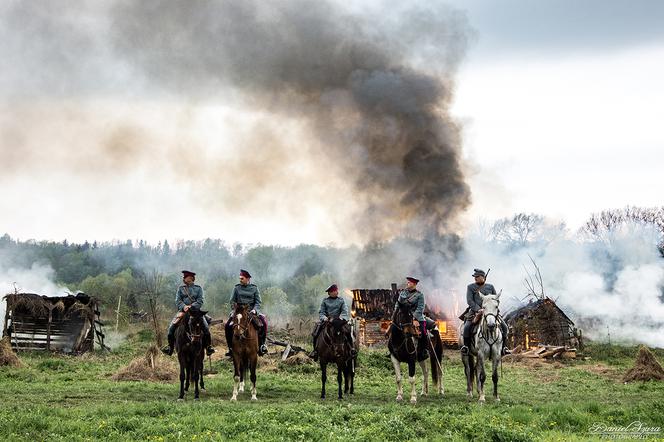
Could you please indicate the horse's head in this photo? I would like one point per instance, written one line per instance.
(195, 322)
(490, 305)
(336, 331)
(241, 319)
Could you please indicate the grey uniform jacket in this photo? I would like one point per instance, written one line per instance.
(195, 298)
(246, 294)
(332, 308)
(414, 301)
(473, 294)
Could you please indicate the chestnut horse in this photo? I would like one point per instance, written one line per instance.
(245, 348)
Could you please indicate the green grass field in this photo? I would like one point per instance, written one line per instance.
(55, 397)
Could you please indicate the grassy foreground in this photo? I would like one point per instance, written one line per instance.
(69, 398)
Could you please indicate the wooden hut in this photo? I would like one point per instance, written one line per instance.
(542, 322)
(53, 323)
(373, 309)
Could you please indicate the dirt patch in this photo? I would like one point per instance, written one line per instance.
(646, 368)
(604, 370)
(150, 367)
(7, 355)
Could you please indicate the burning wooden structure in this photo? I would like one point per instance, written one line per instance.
(373, 308)
(53, 323)
(542, 323)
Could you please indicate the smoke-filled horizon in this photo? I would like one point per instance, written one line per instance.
(295, 113)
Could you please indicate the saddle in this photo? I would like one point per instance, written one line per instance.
(256, 322)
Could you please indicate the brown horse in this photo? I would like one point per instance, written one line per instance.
(332, 348)
(245, 349)
(190, 350)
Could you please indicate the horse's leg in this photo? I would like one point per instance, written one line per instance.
(494, 374)
(236, 376)
(411, 379)
(196, 372)
(425, 377)
(202, 366)
(481, 376)
(243, 368)
(252, 376)
(323, 377)
(182, 377)
(340, 375)
(351, 369)
(347, 377)
(397, 373)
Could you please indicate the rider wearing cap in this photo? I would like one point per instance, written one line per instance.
(412, 299)
(188, 295)
(332, 307)
(480, 286)
(246, 293)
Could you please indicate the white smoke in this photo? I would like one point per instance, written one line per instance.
(36, 279)
(608, 286)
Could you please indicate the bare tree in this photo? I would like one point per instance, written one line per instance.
(600, 225)
(533, 282)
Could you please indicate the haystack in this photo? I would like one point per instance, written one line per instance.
(7, 355)
(646, 368)
(152, 366)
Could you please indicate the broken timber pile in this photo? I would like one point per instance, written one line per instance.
(549, 351)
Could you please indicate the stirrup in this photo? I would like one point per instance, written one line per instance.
(313, 355)
(210, 350)
(506, 351)
(262, 350)
(464, 350)
(168, 350)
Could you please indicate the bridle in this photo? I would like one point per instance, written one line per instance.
(331, 342)
(486, 333)
(242, 331)
(407, 335)
(193, 337)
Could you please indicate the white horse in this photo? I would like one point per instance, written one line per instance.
(486, 344)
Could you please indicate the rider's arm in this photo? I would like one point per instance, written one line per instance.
(470, 298)
(419, 311)
(344, 310)
(257, 301)
(322, 312)
(179, 302)
(199, 301)
(233, 299)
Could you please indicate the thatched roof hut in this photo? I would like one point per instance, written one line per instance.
(542, 322)
(54, 323)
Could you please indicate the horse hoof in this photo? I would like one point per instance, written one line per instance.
(254, 398)
(196, 399)
(399, 398)
(413, 400)
(234, 398)
(497, 399)
(180, 399)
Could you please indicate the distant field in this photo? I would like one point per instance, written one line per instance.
(69, 398)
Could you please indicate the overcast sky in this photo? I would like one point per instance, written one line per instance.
(559, 104)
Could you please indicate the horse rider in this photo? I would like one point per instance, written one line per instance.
(480, 286)
(413, 300)
(246, 293)
(333, 307)
(188, 295)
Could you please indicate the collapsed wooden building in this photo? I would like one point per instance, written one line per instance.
(68, 324)
(373, 308)
(542, 323)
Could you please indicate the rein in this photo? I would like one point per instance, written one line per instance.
(407, 337)
(485, 334)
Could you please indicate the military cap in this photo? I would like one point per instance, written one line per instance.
(186, 273)
(478, 272)
(332, 288)
(413, 280)
(245, 273)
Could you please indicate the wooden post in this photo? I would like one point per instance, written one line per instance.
(117, 314)
(48, 327)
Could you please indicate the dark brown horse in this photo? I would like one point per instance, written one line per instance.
(245, 349)
(190, 350)
(332, 347)
(403, 347)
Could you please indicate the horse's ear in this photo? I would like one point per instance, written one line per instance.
(204, 312)
(499, 293)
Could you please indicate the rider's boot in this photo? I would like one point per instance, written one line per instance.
(314, 354)
(262, 348)
(168, 350)
(229, 342)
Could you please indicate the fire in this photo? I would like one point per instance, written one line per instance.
(442, 326)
